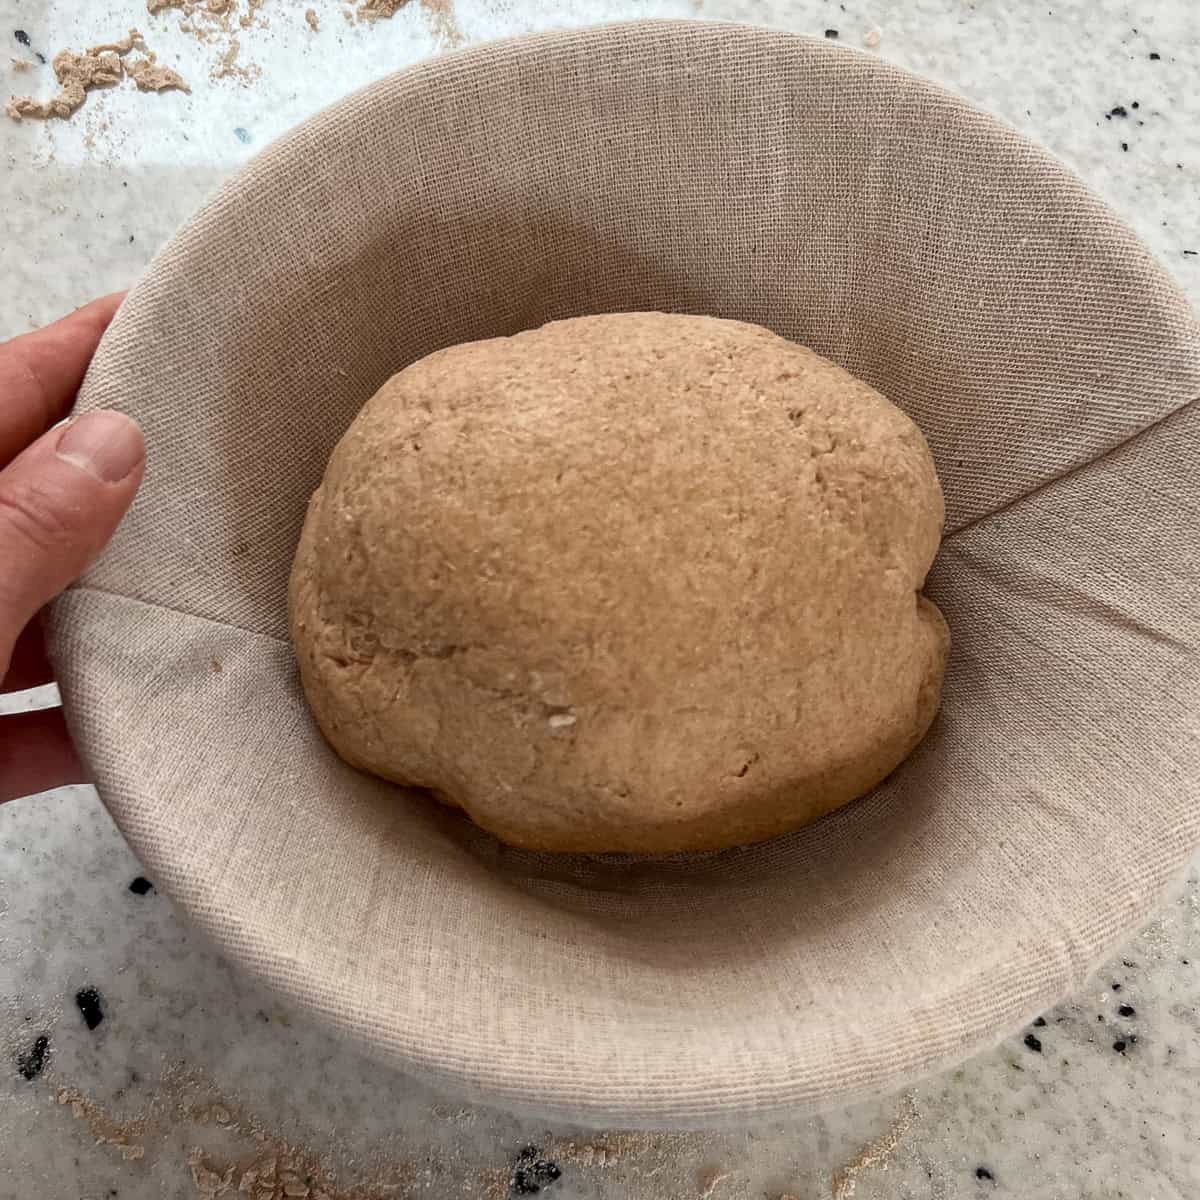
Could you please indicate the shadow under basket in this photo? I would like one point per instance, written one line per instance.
(702, 168)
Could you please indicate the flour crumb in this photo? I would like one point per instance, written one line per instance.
(208, 1183)
(150, 77)
(247, 19)
(228, 66)
(378, 10)
(709, 1180)
(440, 13)
(310, 15)
(215, 8)
(122, 1136)
(877, 1153)
(99, 67)
(444, 21)
(77, 74)
(872, 38)
(21, 64)
(131, 41)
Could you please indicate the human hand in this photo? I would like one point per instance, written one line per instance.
(63, 491)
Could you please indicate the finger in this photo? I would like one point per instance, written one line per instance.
(30, 667)
(60, 501)
(36, 754)
(40, 373)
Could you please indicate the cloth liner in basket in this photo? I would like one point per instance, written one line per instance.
(704, 168)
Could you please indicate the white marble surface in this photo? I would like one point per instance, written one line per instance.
(191, 1058)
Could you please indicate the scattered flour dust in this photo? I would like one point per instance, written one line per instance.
(102, 66)
(220, 23)
(440, 14)
(877, 1153)
(215, 1147)
(240, 1157)
(124, 1136)
(210, 20)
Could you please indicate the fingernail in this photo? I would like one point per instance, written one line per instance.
(104, 443)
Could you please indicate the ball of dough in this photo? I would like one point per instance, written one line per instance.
(625, 583)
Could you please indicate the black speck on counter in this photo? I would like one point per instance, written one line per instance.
(1155, 56)
(1127, 1010)
(90, 1005)
(831, 33)
(1135, 104)
(1118, 110)
(1034, 1043)
(532, 1172)
(141, 885)
(1116, 987)
(21, 36)
(1119, 1047)
(31, 1064)
(983, 1173)
(1040, 1023)
(1125, 146)
(1190, 254)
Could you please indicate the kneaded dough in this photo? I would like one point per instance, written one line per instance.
(634, 582)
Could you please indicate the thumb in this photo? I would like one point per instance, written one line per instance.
(61, 499)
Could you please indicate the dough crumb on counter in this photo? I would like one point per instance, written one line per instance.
(100, 66)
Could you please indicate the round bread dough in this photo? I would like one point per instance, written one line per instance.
(633, 582)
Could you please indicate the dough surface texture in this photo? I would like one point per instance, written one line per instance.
(635, 582)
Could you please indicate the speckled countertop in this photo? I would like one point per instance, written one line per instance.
(135, 1064)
